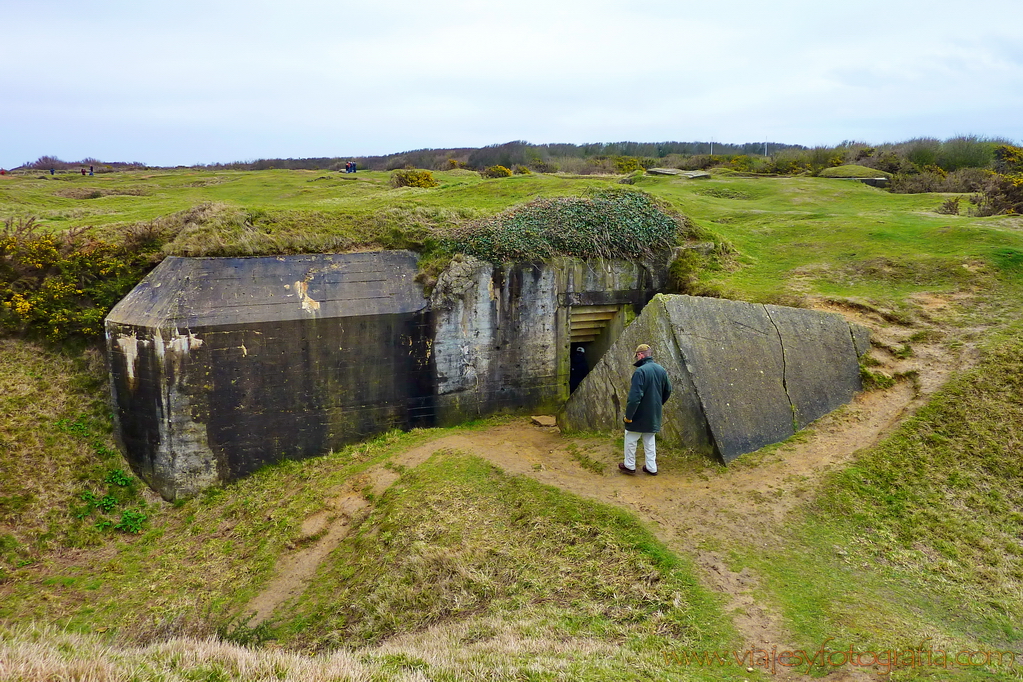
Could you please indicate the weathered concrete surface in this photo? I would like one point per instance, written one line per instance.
(822, 370)
(746, 375)
(220, 366)
(501, 333)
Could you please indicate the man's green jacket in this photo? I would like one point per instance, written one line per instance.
(651, 388)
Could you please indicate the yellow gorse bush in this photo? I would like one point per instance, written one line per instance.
(61, 286)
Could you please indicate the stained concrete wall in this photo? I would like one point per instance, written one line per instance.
(222, 365)
(219, 366)
(501, 337)
(746, 375)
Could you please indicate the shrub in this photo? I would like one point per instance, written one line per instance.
(923, 151)
(916, 183)
(1008, 158)
(522, 170)
(627, 164)
(496, 172)
(61, 286)
(1002, 195)
(950, 207)
(965, 152)
(613, 223)
(411, 177)
(742, 163)
(544, 166)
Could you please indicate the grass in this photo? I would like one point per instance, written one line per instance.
(921, 537)
(463, 572)
(458, 539)
(852, 171)
(459, 566)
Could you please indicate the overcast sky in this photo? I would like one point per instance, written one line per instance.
(188, 82)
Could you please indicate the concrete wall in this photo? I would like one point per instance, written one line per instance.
(745, 375)
(222, 365)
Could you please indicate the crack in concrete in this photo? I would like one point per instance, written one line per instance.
(784, 370)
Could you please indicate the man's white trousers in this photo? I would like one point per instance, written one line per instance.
(649, 449)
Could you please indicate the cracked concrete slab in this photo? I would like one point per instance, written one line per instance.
(746, 375)
(734, 354)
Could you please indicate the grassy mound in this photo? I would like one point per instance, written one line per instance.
(853, 171)
(481, 566)
(456, 537)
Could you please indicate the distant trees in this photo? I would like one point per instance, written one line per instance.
(48, 162)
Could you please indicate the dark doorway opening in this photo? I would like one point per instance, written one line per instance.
(592, 328)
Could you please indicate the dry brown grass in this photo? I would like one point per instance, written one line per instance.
(476, 650)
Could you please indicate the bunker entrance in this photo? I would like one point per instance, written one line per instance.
(592, 330)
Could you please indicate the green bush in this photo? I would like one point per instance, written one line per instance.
(965, 152)
(519, 169)
(411, 177)
(61, 286)
(612, 223)
(544, 166)
(496, 172)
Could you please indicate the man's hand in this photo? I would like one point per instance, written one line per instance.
(628, 421)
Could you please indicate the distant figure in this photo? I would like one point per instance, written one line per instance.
(650, 389)
(90, 170)
(348, 166)
(579, 369)
(354, 167)
(51, 171)
(3, 172)
(83, 171)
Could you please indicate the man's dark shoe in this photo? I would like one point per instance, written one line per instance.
(652, 473)
(626, 470)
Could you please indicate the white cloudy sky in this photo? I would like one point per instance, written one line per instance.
(187, 82)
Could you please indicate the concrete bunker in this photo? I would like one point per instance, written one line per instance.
(746, 375)
(222, 365)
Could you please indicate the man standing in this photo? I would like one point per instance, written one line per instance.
(650, 389)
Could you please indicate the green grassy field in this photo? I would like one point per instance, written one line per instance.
(461, 571)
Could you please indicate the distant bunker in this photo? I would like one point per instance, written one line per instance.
(220, 366)
(745, 375)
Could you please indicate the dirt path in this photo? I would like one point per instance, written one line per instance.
(692, 511)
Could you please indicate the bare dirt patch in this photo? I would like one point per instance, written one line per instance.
(320, 535)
